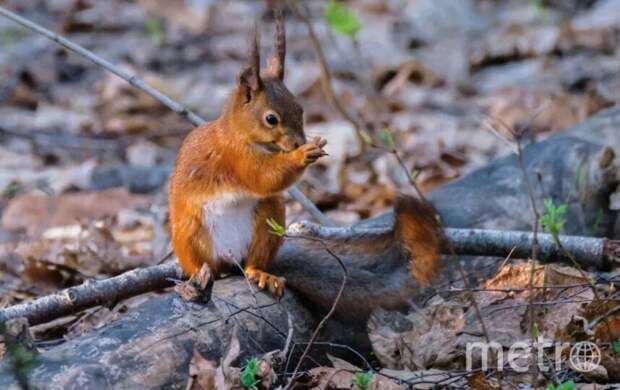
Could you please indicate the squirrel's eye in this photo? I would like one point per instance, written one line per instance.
(272, 119)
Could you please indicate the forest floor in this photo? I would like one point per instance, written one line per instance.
(84, 156)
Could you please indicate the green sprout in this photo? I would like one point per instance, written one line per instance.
(536, 330)
(275, 227)
(597, 225)
(249, 374)
(362, 380)
(155, 31)
(568, 385)
(388, 140)
(342, 19)
(554, 218)
(539, 6)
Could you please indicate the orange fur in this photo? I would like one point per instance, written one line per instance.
(419, 233)
(242, 154)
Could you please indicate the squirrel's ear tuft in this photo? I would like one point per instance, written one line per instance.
(249, 78)
(276, 60)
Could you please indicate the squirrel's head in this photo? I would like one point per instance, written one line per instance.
(262, 106)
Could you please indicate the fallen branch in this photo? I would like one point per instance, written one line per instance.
(140, 84)
(94, 293)
(588, 251)
(591, 252)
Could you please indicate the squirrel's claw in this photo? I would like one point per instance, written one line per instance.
(313, 150)
(266, 281)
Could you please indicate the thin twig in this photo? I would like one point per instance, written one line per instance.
(472, 297)
(326, 317)
(517, 138)
(410, 177)
(282, 355)
(310, 207)
(604, 317)
(520, 289)
(326, 77)
(361, 130)
(140, 84)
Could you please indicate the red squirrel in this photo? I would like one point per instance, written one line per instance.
(230, 174)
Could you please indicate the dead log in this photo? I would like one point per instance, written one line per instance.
(150, 345)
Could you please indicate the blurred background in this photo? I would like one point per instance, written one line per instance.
(432, 84)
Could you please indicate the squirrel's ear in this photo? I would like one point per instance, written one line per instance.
(276, 60)
(249, 78)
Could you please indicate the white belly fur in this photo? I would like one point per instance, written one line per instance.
(230, 221)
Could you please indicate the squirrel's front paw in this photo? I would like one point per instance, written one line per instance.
(311, 151)
(199, 286)
(274, 284)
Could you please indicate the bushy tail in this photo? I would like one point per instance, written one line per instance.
(419, 233)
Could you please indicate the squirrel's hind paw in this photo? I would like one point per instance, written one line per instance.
(265, 280)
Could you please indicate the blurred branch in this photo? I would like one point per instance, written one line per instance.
(361, 130)
(131, 79)
(326, 77)
(588, 251)
(310, 207)
(138, 83)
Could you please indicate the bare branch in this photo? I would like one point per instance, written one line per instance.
(326, 77)
(94, 293)
(591, 252)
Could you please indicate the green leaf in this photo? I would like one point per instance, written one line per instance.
(342, 19)
(155, 31)
(362, 380)
(551, 386)
(616, 345)
(553, 220)
(275, 227)
(387, 139)
(568, 385)
(248, 375)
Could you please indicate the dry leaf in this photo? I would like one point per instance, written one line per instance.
(227, 377)
(203, 372)
(338, 378)
(479, 381)
(36, 212)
